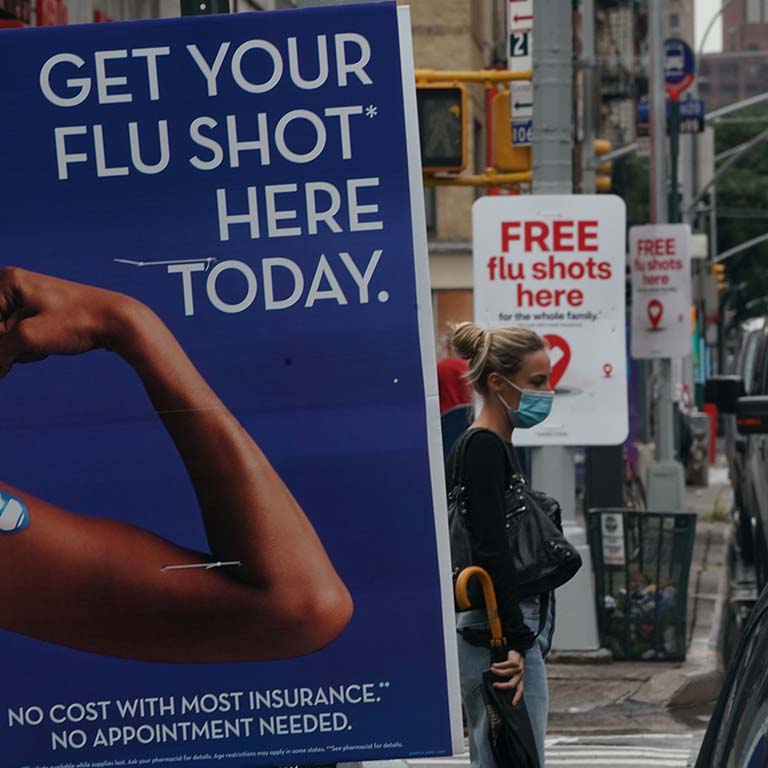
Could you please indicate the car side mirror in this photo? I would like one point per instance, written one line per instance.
(752, 415)
(724, 392)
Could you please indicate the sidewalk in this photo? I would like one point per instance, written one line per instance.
(601, 695)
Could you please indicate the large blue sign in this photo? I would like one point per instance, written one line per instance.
(216, 500)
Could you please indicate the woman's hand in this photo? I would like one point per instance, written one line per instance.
(42, 315)
(513, 669)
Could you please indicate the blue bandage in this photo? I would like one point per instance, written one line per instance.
(14, 515)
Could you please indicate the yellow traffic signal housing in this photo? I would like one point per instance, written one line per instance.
(442, 110)
(506, 156)
(718, 270)
(602, 147)
(603, 170)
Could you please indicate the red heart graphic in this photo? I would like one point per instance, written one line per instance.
(558, 369)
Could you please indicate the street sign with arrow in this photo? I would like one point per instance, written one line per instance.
(520, 58)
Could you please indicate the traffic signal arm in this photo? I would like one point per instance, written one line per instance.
(486, 76)
(488, 179)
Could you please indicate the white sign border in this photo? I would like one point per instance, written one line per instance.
(429, 366)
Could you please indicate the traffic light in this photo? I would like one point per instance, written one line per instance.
(506, 156)
(603, 170)
(442, 110)
(718, 270)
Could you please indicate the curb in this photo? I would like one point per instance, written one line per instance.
(703, 681)
(598, 656)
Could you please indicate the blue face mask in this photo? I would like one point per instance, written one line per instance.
(533, 409)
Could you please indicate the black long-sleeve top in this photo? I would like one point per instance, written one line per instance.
(486, 476)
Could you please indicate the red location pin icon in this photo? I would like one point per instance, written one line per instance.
(560, 354)
(608, 370)
(655, 311)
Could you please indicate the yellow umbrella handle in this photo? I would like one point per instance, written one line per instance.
(489, 593)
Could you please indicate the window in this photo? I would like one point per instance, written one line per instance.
(478, 22)
(756, 11)
(750, 350)
(674, 22)
(704, 69)
(449, 307)
(728, 70)
(430, 209)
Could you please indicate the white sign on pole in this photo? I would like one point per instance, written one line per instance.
(612, 534)
(556, 263)
(661, 290)
(522, 103)
(519, 59)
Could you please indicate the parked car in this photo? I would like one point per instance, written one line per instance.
(737, 734)
(735, 443)
(745, 398)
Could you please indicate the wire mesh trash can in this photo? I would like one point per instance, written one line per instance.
(642, 560)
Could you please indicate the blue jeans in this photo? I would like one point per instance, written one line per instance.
(473, 661)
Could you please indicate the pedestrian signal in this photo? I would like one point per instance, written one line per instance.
(506, 156)
(442, 111)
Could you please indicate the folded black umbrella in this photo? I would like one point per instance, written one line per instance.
(510, 732)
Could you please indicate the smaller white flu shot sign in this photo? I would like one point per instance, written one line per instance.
(661, 290)
(556, 264)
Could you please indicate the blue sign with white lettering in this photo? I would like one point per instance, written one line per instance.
(678, 61)
(217, 521)
(691, 112)
(522, 132)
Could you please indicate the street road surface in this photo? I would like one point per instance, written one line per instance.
(660, 750)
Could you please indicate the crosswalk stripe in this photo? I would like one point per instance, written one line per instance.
(617, 762)
(669, 755)
(614, 750)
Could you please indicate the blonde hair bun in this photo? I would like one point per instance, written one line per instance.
(499, 350)
(467, 339)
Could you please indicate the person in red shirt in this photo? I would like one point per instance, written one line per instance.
(452, 384)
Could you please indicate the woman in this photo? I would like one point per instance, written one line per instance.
(509, 368)
(267, 590)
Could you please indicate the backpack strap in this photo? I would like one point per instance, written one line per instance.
(457, 477)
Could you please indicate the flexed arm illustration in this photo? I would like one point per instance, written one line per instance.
(98, 584)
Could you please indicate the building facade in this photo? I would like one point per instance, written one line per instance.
(741, 70)
(745, 26)
(728, 77)
(457, 35)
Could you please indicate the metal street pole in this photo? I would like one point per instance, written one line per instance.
(588, 104)
(553, 468)
(604, 478)
(657, 125)
(666, 484)
(674, 154)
